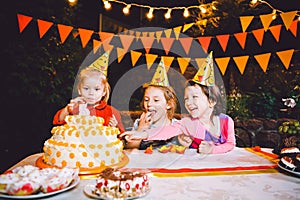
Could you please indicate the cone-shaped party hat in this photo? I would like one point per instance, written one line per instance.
(160, 76)
(101, 63)
(205, 75)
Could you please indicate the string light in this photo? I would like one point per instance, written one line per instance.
(168, 14)
(126, 9)
(107, 5)
(150, 13)
(186, 13)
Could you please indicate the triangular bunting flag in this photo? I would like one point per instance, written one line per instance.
(288, 18)
(263, 60)
(285, 57)
(186, 43)
(126, 41)
(199, 61)
(187, 26)
(241, 62)
(183, 63)
(259, 35)
(106, 37)
(177, 31)
(96, 45)
(241, 38)
(204, 42)
(245, 22)
(144, 34)
(266, 20)
(168, 33)
(160, 76)
(131, 32)
(205, 74)
(293, 27)
(107, 47)
(158, 35)
(151, 34)
(222, 64)
(85, 36)
(147, 43)
(137, 35)
(167, 43)
(150, 58)
(43, 26)
(23, 21)
(223, 41)
(64, 32)
(168, 61)
(135, 55)
(120, 54)
(275, 30)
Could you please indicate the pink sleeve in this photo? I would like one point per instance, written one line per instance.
(164, 132)
(230, 143)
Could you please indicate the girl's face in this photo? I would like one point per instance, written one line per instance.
(92, 89)
(196, 102)
(156, 103)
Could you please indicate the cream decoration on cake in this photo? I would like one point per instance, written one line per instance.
(83, 110)
(205, 75)
(101, 63)
(160, 76)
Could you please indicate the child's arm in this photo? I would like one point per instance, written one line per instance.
(59, 117)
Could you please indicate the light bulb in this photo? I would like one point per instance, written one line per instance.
(168, 14)
(203, 10)
(186, 12)
(107, 5)
(126, 9)
(150, 13)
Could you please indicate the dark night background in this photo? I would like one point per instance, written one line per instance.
(26, 117)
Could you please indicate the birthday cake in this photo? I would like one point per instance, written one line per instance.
(83, 142)
(113, 183)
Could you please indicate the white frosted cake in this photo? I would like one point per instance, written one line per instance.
(83, 142)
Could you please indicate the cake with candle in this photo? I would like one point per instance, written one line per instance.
(83, 142)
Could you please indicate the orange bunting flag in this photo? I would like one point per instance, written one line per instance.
(64, 31)
(23, 21)
(263, 60)
(285, 57)
(241, 38)
(144, 34)
(158, 35)
(288, 18)
(120, 54)
(167, 61)
(96, 45)
(150, 58)
(126, 41)
(205, 42)
(106, 37)
(222, 64)
(186, 44)
(85, 36)
(137, 35)
(151, 34)
(168, 33)
(241, 62)
(177, 31)
(43, 26)
(147, 43)
(183, 63)
(293, 27)
(245, 22)
(199, 61)
(187, 26)
(266, 20)
(223, 41)
(275, 30)
(259, 35)
(167, 43)
(135, 55)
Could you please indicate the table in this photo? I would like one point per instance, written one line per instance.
(239, 174)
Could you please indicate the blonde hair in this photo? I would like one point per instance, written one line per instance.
(89, 72)
(170, 96)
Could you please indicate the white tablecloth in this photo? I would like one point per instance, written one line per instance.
(264, 185)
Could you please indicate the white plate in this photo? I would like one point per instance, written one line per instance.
(288, 170)
(88, 190)
(41, 194)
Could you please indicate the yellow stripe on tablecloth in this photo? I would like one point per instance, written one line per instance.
(263, 154)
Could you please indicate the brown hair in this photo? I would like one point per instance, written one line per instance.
(90, 71)
(169, 94)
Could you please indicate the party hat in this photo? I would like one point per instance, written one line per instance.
(160, 76)
(205, 75)
(101, 63)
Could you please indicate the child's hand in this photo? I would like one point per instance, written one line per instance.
(131, 136)
(75, 102)
(205, 147)
(184, 140)
(113, 122)
(145, 121)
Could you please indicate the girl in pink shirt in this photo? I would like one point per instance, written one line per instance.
(206, 129)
